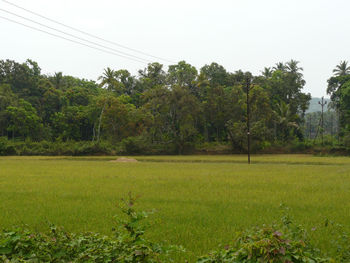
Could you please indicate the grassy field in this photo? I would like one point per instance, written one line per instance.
(200, 200)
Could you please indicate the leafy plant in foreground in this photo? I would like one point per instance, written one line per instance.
(277, 243)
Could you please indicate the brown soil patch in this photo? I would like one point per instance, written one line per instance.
(125, 160)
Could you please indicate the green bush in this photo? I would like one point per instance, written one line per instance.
(265, 244)
(284, 242)
(134, 145)
(3, 145)
(29, 147)
(6, 147)
(300, 146)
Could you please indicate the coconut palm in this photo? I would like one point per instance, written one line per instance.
(267, 72)
(285, 119)
(342, 69)
(57, 79)
(280, 66)
(108, 79)
(292, 66)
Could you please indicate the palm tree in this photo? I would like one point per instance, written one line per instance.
(342, 69)
(57, 79)
(267, 72)
(280, 66)
(292, 66)
(108, 79)
(285, 119)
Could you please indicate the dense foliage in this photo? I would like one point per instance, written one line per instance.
(339, 90)
(284, 242)
(156, 111)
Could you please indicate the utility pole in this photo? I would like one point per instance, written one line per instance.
(322, 103)
(248, 118)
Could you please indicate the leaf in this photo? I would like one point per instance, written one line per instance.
(5, 250)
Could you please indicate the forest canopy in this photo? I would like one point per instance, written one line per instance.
(171, 110)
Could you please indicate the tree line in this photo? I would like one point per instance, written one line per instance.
(339, 91)
(169, 110)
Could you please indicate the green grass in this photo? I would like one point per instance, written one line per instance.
(200, 200)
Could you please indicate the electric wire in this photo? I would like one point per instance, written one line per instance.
(86, 33)
(71, 35)
(71, 40)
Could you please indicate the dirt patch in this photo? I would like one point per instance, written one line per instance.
(125, 160)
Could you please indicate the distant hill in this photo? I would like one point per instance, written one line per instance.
(314, 106)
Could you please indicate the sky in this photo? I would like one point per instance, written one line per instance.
(238, 34)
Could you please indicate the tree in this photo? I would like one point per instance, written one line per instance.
(7, 98)
(280, 66)
(184, 75)
(173, 109)
(293, 68)
(286, 121)
(126, 82)
(286, 84)
(260, 116)
(108, 80)
(215, 74)
(342, 69)
(23, 120)
(22, 78)
(175, 112)
(184, 114)
(151, 77)
(337, 89)
(122, 119)
(57, 80)
(267, 72)
(72, 123)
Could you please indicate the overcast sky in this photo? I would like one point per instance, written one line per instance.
(238, 34)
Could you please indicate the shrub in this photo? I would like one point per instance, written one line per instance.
(3, 145)
(6, 147)
(134, 145)
(340, 243)
(278, 243)
(28, 147)
(300, 146)
(265, 244)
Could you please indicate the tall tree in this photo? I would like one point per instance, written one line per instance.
(342, 69)
(24, 121)
(280, 66)
(286, 121)
(108, 81)
(183, 74)
(292, 67)
(338, 86)
(267, 72)
(152, 76)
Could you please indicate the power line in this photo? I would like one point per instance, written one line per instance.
(71, 40)
(86, 33)
(71, 35)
